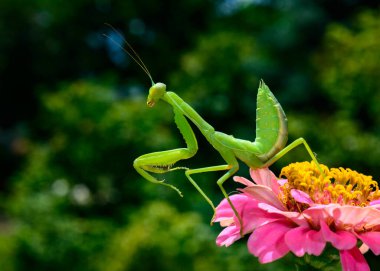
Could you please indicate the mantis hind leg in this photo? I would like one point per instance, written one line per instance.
(294, 144)
(162, 162)
(233, 167)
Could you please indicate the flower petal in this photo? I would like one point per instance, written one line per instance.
(375, 205)
(296, 217)
(224, 211)
(316, 242)
(372, 240)
(267, 242)
(257, 217)
(281, 182)
(354, 215)
(263, 194)
(303, 240)
(341, 240)
(243, 180)
(301, 196)
(363, 248)
(375, 202)
(263, 176)
(316, 213)
(228, 236)
(353, 260)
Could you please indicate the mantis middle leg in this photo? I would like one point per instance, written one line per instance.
(232, 167)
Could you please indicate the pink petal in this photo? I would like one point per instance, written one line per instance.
(316, 213)
(224, 211)
(363, 248)
(353, 260)
(228, 236)
(297, 218)
(267, 242)
(281, 182)
(251, 216)
(257, 217)
(263, 194)
(303, 240)
(375, 205)
(354, 215)
(374, 202)
(372, 240)
(263, 176)
(301, 196)
(243, 180)
(227, 222)
(317, 242)
(341, 240)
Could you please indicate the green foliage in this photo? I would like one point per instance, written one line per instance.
(91, 142)
(158, 237)
(7, 248)
(67, 243)
(347, 68)
(221, 65)
(329, 260)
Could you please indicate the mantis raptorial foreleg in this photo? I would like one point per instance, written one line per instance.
(160, 162)
(152, 162)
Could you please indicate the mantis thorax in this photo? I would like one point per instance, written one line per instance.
(156, 92)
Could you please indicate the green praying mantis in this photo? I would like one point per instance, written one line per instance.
(268, 146)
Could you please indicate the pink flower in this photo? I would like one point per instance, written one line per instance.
(302, 213)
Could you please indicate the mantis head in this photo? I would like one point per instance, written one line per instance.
(156, 92)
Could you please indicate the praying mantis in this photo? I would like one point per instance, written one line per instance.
(268, 146)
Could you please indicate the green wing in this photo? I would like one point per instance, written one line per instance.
(271, 123)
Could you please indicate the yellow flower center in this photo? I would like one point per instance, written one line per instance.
(324, 185)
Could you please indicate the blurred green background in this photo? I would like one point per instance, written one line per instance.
(73, 118)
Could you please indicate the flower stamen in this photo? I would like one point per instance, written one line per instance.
(335, 185)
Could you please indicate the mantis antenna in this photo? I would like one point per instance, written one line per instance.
(129, 50)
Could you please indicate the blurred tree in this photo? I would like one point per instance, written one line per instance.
(347, 68)
(351, 82)
(91, 143)
(44, 43)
